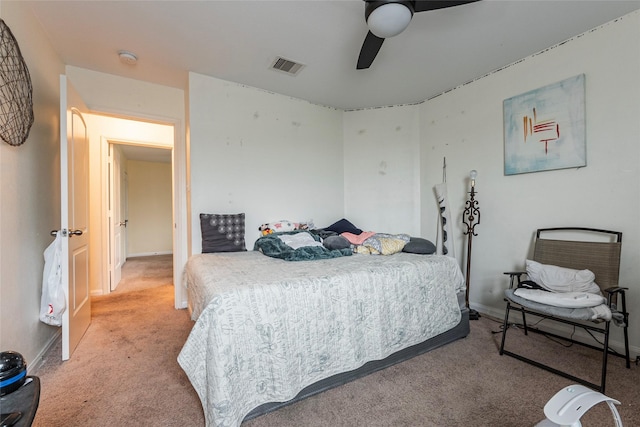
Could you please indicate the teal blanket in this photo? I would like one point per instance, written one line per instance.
(272, 246)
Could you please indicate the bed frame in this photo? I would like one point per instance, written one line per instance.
(458, 332)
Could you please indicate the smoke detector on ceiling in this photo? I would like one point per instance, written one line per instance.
(286, 66)
(127, 57)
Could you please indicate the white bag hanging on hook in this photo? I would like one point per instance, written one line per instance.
(53, 302)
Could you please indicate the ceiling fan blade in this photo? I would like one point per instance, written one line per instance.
(370, 48)
(425, 5)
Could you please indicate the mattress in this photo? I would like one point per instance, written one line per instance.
(266, 328)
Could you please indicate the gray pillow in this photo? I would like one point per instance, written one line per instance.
(336, 242)
(222, 232)
(418, 245)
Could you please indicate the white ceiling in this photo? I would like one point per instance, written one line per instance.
(146, 154)
(238, 41)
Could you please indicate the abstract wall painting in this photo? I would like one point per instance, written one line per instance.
(544, 129)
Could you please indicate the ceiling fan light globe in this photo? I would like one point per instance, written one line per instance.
(389, 20)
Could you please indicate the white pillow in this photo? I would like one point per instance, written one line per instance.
(560, 279)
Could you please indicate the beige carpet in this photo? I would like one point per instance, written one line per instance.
(124, 372)
(145, 272)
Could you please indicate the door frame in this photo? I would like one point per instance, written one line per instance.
(116, 194)
(181, 210)
(106, 194)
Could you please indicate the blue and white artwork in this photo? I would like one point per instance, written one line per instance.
(544, 129)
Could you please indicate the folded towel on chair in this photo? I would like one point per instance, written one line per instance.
(561, 299)
(599, 312)
(561, 279)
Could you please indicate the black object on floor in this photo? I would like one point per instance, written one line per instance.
(24, 401)
(8, 420)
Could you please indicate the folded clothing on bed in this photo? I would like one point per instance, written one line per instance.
(274, 246)
(383, 244)
(357, 239)
(298, 240)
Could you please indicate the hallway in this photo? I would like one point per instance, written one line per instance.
(145, 272)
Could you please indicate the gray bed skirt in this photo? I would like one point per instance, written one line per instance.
(458, 332)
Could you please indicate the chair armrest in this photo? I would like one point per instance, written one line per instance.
(611, 292)
(616, 290)
(513, 275)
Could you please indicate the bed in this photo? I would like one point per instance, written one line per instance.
(270, 332)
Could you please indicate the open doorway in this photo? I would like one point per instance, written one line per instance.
(140, 214)
(116, 143)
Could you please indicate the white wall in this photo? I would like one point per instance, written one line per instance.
(382, 169)
(149, 206)
(466, 126)
(267, 155)
(239, 135)
(29, 194)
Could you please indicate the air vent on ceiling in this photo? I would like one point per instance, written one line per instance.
(286, 66)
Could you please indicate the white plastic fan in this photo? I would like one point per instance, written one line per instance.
(569, 405)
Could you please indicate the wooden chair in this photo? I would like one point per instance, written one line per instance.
(603, 259)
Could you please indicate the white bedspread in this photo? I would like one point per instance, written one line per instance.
(266, 328)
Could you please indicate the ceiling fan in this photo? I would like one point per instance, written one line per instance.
(388, 18)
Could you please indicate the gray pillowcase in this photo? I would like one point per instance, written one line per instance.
(418, 245)
(222, 232)
(336, 242)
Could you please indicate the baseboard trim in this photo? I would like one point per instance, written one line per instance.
(141, 254)
(37, 362)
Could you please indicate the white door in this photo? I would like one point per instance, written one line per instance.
(117, 215)
(74, 202)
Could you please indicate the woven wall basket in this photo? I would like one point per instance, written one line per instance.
(16, 102)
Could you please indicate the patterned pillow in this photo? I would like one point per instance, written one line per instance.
(222, 232)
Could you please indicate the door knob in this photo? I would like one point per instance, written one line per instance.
(65, 232)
